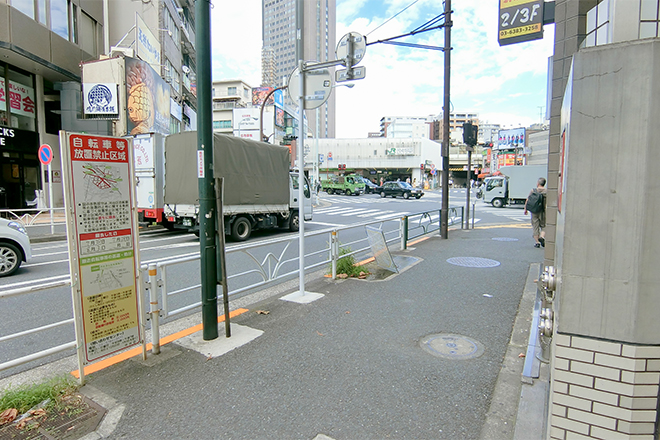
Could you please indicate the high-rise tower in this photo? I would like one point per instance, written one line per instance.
(319, 38)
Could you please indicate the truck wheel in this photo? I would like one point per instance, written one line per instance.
(497, 203)
(294, 222)
(382, 194)
(241, 229)
(329, 191)
(10, 259)
(348, 192)
(406, 195)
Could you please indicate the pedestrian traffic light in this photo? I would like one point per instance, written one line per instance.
(421, 167)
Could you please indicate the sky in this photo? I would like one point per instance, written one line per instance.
(504, 85)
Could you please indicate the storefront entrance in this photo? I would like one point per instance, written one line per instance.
(19, 168)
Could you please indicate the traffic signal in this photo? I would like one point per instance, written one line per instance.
(342, 166)
(421, 167)
(470, 134)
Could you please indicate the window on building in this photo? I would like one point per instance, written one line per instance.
(217, 125)
(74, 24)
(88, 34)
(648, 18)
(175, 125)
(19, 111)
(598, 25)
(41, 11)
(231, 91)
(170, 24)
(25, 6)
(59, 17)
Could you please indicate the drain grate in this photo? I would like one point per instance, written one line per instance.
(452, 346)
(504, 239)
(473, 262)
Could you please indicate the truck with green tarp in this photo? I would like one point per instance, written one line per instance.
(349, 185)
(260, 190)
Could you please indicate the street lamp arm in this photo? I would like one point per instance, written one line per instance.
(261, 112)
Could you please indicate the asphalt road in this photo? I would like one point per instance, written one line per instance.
(50, 263)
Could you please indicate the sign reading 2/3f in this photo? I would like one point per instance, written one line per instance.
(520, 20)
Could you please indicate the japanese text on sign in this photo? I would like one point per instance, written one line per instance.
(21, 99)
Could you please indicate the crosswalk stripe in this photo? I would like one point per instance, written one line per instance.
(373, 213)
(393, 215)
(359, 211)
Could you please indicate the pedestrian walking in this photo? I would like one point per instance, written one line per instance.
(535, 204)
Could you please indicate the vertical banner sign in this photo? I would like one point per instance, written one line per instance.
(103, 251)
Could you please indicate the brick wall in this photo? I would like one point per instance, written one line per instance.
(603, 390)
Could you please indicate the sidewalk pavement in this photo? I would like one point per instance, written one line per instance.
(432, 352)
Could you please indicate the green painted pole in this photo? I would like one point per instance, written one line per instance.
(207, 205)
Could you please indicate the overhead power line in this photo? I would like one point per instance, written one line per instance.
(393, 17)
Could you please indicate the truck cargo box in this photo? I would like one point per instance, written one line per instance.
(256, 173)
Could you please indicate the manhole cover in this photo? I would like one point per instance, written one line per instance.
(473, 262)
(450, 346)
(504, 239)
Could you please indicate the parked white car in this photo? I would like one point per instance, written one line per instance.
(14, 246)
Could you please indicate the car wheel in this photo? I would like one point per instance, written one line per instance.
(348, 192)
(406, 195)
(497, 203)
(418, 197)
(294, 222)
(241, 229)
(382, 194)
(10, 259)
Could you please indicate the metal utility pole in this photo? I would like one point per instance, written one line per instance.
(444, 221)
(207, 203)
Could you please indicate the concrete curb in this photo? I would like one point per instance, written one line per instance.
(112, 416)
(502, 417)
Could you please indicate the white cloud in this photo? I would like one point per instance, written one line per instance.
(503, 84)
(236, 41)
(409, 82)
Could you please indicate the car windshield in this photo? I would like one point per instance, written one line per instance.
(405, 185)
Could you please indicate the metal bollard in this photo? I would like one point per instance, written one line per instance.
(154, 310)
(404, 232)
(334, 246)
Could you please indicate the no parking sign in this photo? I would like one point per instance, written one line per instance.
(45, 154)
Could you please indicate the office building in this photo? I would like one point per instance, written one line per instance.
(318, 38)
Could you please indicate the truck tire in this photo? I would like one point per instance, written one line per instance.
(294, 222)
(497, 203)
(406, 195)
(241, 229)
(382, 194)
(348, 192)
(329, 190)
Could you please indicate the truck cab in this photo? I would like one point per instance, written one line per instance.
(293, 182)
(496, 192)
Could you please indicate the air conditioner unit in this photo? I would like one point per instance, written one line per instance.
(125, 51)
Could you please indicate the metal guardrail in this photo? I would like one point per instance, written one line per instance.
(34, 217)
(269, 268)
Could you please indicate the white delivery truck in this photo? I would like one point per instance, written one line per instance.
(514, 185)
(260, 191)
